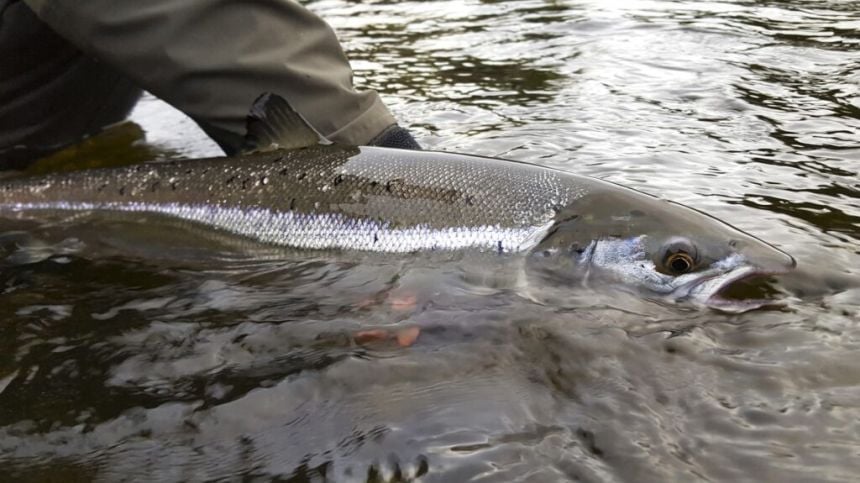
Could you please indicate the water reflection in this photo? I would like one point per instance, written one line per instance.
(826, 218)
(440, 69)
(118, 145)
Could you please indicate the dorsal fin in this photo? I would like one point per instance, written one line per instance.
(272, 123)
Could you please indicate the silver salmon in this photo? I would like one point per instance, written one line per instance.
(368, 199)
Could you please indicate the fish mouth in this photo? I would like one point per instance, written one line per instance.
(710, 291)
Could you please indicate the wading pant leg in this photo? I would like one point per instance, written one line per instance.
(51, 94)
(212, 58)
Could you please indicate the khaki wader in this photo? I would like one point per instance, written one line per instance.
(77, 65)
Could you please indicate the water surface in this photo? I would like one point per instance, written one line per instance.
(118, 363)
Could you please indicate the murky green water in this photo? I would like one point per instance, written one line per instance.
(115, 366)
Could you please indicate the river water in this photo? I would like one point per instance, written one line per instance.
(118, 367)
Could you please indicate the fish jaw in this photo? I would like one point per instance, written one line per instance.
(707, 290)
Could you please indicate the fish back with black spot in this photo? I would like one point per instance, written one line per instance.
(329, 197)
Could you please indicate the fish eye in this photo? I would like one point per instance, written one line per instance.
(679, 256)
(679, 263)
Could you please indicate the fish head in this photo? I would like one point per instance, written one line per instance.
(660, 248)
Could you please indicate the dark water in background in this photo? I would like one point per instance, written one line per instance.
(115, 368)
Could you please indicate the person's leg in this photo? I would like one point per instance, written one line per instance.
(212, 58)
(51, 94)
